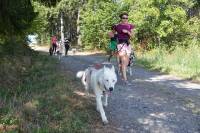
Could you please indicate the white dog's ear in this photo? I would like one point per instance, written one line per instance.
(113, 68)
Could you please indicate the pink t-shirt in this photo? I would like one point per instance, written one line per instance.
(53, 40)
(120, 27)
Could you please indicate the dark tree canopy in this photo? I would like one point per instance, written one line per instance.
(15, 16)
(49, 2)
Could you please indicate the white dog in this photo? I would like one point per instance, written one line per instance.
(102, 82)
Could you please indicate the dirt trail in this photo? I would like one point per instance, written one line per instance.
(154, 103)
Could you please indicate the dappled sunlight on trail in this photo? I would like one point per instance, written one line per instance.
(153, 103)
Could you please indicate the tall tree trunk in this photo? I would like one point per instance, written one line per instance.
(78, 28)
(62, 35)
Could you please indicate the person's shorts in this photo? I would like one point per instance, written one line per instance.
(54, 44)
(124, 49)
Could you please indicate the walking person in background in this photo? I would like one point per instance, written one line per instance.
(124, 33)
(113, 42)
(54, 43)
(67, 46)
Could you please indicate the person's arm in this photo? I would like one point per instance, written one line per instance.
(110, 34)
(130, 33)
(127, 32)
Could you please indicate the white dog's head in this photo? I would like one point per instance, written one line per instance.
(109, 79)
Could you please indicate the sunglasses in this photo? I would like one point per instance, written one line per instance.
(124, 18)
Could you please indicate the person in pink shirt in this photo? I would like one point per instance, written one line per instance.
(54, 43)
(124, 33)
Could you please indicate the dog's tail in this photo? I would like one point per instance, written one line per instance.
(80, 74)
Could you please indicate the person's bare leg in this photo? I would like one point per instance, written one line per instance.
(124, 69)
(119, 65)
(124, 66)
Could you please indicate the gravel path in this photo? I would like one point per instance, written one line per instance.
(154, 103)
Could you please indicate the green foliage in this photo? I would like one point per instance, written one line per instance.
(181, 61)
(40, 23)
(48, 3)
(158, 22)
(43, 99)
(192, 32)
(96, 20)
(15, 17)
(48, 22)
(14, 47)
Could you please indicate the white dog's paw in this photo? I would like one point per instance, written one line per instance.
(105, 122)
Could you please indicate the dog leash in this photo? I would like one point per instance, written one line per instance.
(105, 62)
(115, 53)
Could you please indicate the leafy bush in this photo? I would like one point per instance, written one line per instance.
(182, 61)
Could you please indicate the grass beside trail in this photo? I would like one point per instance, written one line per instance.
(43, 101)
(184, 62)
